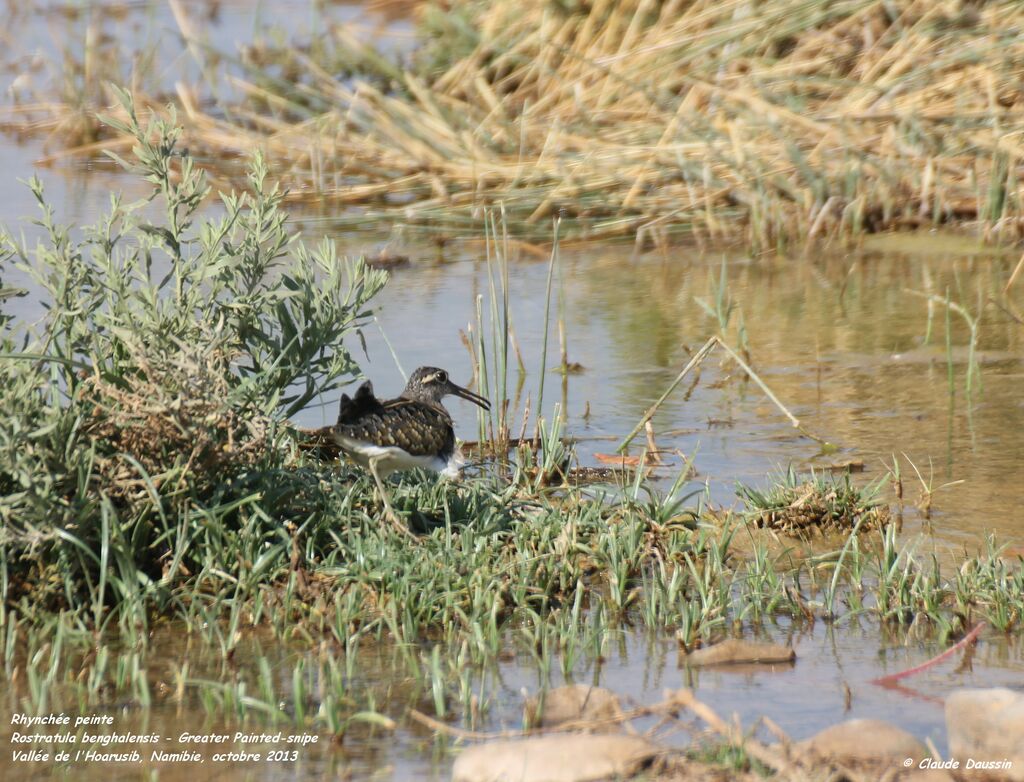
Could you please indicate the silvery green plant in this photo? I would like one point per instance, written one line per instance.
(173, 347)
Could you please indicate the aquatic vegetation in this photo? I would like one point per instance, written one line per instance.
(148, 460)
(153, 495)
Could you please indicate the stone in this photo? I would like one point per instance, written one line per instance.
(987, 726)
(734, 650)
(927, 775)
(572, 703)
(562, 757)
(864, 741)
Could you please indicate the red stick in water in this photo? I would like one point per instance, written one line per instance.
(963, 642)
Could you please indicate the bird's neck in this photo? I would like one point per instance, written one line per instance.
(434, 403)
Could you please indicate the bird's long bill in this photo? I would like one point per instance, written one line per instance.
(465, 393)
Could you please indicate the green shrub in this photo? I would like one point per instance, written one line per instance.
(170, 353)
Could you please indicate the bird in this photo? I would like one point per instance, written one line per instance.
(413, 430)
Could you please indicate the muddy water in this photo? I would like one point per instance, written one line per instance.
(835, 664)
(842, 337)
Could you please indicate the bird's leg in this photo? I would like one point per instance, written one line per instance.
(388, 510)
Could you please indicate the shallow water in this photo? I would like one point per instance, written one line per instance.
(835, 664)
(839, 340)
(840, 337)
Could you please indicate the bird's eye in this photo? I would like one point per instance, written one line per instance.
(442, 376)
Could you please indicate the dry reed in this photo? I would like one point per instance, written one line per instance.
(770, 122)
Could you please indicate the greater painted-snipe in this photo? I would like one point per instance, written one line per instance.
(410, 431)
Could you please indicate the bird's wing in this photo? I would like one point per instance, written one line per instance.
(352, 410)
(416, 428)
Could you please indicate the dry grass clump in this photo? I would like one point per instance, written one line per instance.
(173, 420)
(814, 505)
(770, 121)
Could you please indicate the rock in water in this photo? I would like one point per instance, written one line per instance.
(734, 651)
(573, 703)
(864, 741)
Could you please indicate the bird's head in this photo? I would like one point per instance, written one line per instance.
(431, 385)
